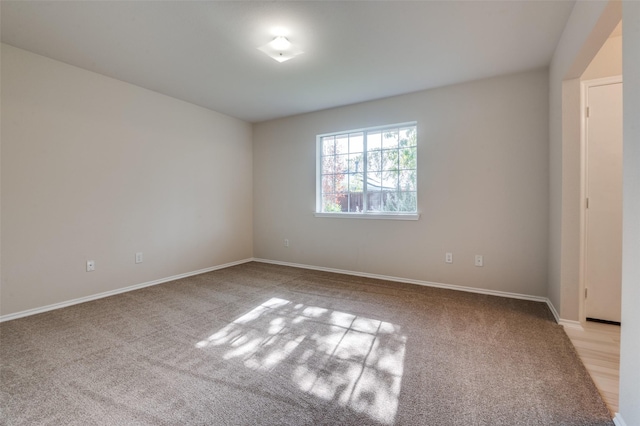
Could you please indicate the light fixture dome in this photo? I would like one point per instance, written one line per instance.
(280, 43)
(280, 49)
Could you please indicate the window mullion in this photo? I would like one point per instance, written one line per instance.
(398, 169)
(365, 160)
(348, 172)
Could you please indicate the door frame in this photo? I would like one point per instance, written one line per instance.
(584, 100)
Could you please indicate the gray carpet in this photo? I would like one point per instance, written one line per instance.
(260, 344)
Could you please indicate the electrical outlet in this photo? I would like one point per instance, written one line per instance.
(448, 257)
(286, 242)
(139, 257)
(479, 260)
(91, 265)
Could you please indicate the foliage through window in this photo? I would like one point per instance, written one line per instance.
(368, 171)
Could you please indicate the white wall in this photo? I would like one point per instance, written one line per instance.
(94, 168)
(588, 27)
(586, 31)
(630, 340)
(483, 188)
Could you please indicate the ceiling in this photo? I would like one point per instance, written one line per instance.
(206, 52)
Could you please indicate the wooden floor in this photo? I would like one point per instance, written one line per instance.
(599, 348)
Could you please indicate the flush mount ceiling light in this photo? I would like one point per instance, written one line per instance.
(280, 49)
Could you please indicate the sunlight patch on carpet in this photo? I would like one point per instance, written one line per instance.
(336, 356)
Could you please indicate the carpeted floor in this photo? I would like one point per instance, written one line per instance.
(261, 344)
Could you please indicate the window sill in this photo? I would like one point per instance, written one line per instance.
(391, 216)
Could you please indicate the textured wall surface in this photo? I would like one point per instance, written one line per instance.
(482, 188)
(94, 168)
(630, 346)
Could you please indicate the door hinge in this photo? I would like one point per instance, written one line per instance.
(587, 203)
(585, 293)
(586, 113)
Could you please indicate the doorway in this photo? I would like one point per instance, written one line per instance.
(602, 274)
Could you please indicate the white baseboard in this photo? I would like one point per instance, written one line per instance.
(419, 282)
(618, 421)
(553, 311)
(47, 308)
(577, 325)
(42, 309)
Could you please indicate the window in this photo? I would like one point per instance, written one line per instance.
(370, 172)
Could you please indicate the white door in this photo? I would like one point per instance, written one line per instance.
(603, 262)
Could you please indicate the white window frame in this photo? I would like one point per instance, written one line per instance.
(366, 214)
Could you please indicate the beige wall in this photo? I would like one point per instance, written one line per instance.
(483, 188)
(607, 62)
(586, 31)
(588, 27)
(630, 346)
(94, 168)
